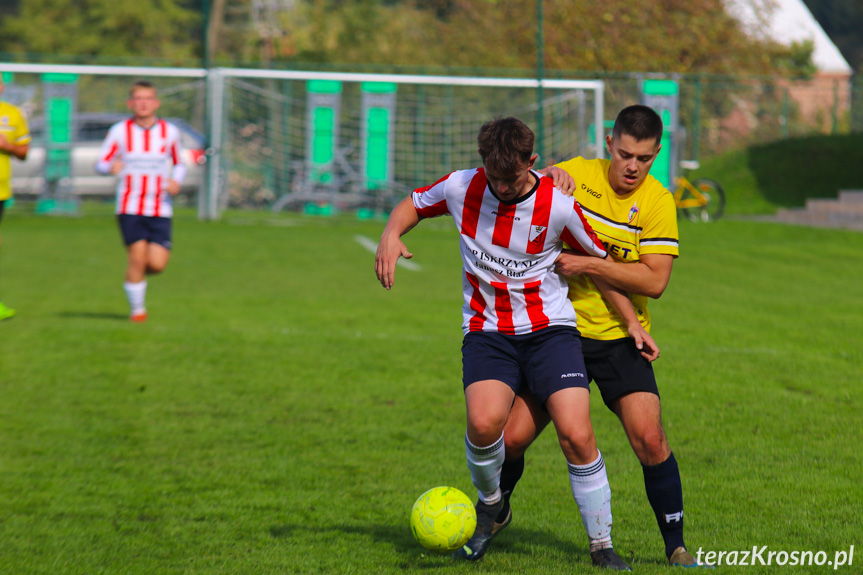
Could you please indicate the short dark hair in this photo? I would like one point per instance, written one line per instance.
(505, 145)
(640, 122)
(144, 84)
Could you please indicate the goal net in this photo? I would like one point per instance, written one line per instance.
(323, 142)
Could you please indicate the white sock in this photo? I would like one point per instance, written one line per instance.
(135, 293)
(485, 464)
(593, 495)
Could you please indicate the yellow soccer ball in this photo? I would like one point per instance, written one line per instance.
(443, 519)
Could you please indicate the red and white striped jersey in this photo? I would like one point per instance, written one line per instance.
(509, 249)
(150, 156)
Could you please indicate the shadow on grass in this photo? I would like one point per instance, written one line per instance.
(93, 315)
(514, 542)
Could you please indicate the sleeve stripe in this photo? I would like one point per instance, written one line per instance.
(659, 241)
(584, 239)
(434, 211)
(110, 155)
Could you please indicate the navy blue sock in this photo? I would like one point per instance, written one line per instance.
(665, 493)
(509, 476)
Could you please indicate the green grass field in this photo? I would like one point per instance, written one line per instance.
(280, 411)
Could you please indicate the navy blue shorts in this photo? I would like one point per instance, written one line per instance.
(618, 368)
(149, 228)
(545, 361)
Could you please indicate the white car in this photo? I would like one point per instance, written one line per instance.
(28, 177)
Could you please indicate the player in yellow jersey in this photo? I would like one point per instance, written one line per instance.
(635, 218)
(14, 142)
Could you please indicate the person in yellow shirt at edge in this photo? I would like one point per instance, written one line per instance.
(635, 218)
(14, 142)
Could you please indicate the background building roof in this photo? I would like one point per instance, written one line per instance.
(787, 21)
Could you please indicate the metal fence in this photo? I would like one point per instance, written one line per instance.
(721, 113)
(269, 147)
(335, 141)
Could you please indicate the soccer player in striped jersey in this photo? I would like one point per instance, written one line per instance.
(14, 143)
(635, 218)
(144, 153)
(519, 327)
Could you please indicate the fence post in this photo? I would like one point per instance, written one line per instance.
(855, 101)
(210, 196)
(696, 120)
(835, 123)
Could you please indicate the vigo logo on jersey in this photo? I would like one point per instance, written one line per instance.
(591, 191)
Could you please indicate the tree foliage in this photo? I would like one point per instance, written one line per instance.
(607, 35)
(684, 36)
(137, 28)
(333, 31)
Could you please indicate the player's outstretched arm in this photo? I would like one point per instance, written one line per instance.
(620, 301)
(391, 247)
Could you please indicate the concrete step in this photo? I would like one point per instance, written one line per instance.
(825, 219)
(852, 196)
(844, 212)
(839, 206)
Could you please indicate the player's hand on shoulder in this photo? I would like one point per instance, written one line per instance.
(643, 342)
(117, 167)
(561, 178)
(390, 249)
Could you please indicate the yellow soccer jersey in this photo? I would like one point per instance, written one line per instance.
(14, 129)
(643, 221)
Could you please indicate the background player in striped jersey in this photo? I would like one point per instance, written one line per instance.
(144, 152)
(635, 218)
(520, 328)
(14, 142)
